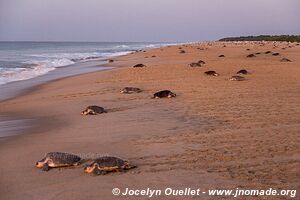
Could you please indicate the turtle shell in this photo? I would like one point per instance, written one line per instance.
(237, 78)
(163, 94)
(107, 162)
(96, 109)
(63, 158)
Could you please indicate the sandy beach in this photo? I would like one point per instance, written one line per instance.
(215, 134)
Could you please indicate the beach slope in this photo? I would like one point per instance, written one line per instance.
(216, 133)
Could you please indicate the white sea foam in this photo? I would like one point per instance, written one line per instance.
(38, 67)
(122, 46)
(51, 62)
(36, 62)
(18, 74)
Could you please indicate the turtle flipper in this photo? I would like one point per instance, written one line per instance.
(102, 172)
(46, 167)
(97, 172)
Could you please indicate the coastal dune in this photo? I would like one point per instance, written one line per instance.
(216, 133)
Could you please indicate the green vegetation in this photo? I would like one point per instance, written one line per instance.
(287, 38)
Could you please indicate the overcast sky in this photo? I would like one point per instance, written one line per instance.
(145, 20)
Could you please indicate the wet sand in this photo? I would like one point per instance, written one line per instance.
(215, 134)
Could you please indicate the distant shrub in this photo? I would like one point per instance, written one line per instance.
(287, 38)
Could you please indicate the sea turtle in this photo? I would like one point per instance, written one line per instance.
(58, 159)
(242, 71)
(129, 90)
(106, 164)
(139, 65)
(285, 60)
(182, 51)
(93, 110)
(201, 62)
(211, 73)
(221, 56)
(195, 64)
(237, 78)
(110, 60)
(251, 56)
(163, 94)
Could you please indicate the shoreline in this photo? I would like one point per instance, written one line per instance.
(31, 84)
(43, 61)
(11, 126)
(200, 138)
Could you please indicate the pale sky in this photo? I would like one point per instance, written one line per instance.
(145, 20)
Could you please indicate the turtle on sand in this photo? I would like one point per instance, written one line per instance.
(182, 51)
(164, 94)
(237, 78)
(106, 164)
(211, 73)
(242, 71)
(58, 159)
(201, 62)
(195, 64)
(251, 56)
(139, 65)
(285, 60)
(130, 90)
(93, 110)
(221, 56)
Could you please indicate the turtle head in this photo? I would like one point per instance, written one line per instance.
(172, 95)
(88, 112)
(40, 163)
(128, 165)
(89, 169)
(85, 112)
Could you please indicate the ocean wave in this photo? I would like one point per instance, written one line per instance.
(122, 46)
(33, 68)
(29, 64)
(65, 55)
(23, 73)
(114, 54)
(51, 62)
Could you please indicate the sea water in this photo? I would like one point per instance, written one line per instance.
(26, 60)
(27, 64)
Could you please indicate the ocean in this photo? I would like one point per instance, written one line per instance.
(27, 60)
(24, 65)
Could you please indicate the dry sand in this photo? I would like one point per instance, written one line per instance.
(215, 134)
